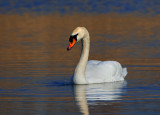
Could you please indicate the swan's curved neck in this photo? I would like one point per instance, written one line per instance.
(79, 74)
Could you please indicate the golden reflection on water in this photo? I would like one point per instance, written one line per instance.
(38, 38)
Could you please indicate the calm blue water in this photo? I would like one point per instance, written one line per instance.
(50, 94)
(140, 7)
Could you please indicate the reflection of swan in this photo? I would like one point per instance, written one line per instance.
(107, 91)
(94, 93)
(80, 97)
(93, 71)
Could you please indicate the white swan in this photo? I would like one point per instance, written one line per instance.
(93, 71)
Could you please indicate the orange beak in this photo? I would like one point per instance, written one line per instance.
(71, 44)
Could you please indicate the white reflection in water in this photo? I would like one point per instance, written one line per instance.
(92, 93)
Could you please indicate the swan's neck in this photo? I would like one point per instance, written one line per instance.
(79, 74)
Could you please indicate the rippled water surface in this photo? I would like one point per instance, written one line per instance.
(35, 68)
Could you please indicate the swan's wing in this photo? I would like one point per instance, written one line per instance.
(103, 71)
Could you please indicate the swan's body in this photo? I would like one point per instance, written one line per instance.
(104, 71)
(93, 71)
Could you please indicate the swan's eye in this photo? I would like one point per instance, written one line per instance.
(73, 37)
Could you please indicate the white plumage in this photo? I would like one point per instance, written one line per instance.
(104, 71)
(93, 71)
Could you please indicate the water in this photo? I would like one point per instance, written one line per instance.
(35, 68)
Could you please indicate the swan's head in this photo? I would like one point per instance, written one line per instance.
(76, 36)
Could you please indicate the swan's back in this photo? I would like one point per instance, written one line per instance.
(104, 71)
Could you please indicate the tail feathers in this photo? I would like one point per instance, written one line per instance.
(124, 72)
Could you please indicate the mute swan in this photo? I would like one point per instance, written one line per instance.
(93, 71)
